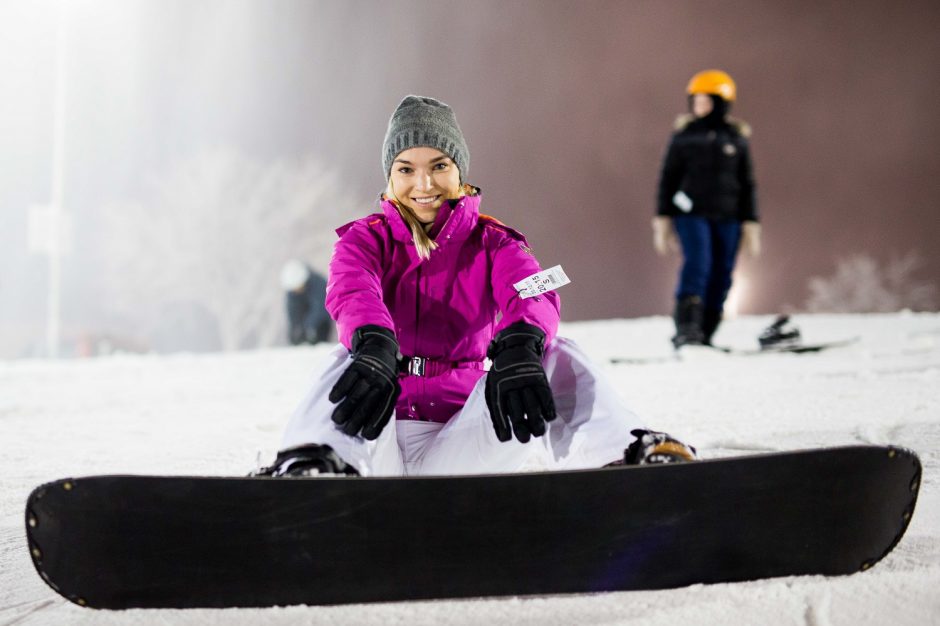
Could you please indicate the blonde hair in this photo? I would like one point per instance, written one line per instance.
(423, 243)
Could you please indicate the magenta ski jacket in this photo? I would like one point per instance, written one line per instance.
(445, 309)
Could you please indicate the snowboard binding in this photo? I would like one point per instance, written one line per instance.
(779, 335)
(655, 448)
(308, 460)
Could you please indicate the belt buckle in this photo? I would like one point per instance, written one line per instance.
(416, 366)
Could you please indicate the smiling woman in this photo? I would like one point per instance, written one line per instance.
(420, 181)
(432, 277)
(426, 160)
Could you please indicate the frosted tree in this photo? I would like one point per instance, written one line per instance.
(861, 285)
(212, 236)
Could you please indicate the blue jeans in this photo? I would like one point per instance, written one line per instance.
(709, 248)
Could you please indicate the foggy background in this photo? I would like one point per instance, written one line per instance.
(205, 142)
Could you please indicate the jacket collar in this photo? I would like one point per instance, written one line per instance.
(454, 221)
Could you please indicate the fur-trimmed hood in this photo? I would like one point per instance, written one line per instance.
(684, 119)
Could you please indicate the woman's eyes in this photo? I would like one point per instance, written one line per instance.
(440, 167)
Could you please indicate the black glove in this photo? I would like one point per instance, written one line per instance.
(517, 392)
(369, 387)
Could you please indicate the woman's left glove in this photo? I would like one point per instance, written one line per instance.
(369, 387)
(517, 391)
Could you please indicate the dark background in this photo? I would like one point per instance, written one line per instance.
(566, 106)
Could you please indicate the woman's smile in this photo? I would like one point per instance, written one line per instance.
(426, 200)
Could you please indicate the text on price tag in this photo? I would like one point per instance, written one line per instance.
(542, 282)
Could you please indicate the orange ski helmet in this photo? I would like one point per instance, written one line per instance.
(714, 82)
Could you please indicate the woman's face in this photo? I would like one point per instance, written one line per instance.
(701, 104)
(422, 179)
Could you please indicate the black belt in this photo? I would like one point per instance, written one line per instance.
(425, 367)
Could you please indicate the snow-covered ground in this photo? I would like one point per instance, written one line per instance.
(212, 414)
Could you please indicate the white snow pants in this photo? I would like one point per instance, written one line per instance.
(592, 428)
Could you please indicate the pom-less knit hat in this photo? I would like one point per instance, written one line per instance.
(420, 121)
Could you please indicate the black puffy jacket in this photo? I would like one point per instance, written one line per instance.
(710, 162)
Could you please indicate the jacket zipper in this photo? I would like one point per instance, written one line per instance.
(417, 309)
(415, 352)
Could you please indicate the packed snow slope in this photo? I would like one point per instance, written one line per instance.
(212, 414)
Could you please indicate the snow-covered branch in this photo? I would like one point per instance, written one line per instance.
(212, 236)
(861, 285)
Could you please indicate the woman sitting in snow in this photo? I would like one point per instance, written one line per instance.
(432, 278)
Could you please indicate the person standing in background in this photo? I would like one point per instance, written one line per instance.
(706, 204)
(307, 317)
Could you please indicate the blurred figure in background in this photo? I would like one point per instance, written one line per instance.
(706, 204)
(307, 318)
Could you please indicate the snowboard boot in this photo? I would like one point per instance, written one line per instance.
(780, 334)
(308, 460)
(711, 319)
(653, 448)
(688, 319)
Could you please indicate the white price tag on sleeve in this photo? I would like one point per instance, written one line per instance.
(542, 282)
(682, 201)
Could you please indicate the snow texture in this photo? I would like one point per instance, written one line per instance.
(211, 413)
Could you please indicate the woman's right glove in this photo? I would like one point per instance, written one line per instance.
(369, 387)
(517, 391)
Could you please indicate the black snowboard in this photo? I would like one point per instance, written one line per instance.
(149, 541)
(676, 355)
(799, 348)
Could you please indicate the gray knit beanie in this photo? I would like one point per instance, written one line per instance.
(420, 121)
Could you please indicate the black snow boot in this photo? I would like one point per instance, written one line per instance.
(711, 319)
(688, 319)
(654, 448)
(309, 460)
(780, 334)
